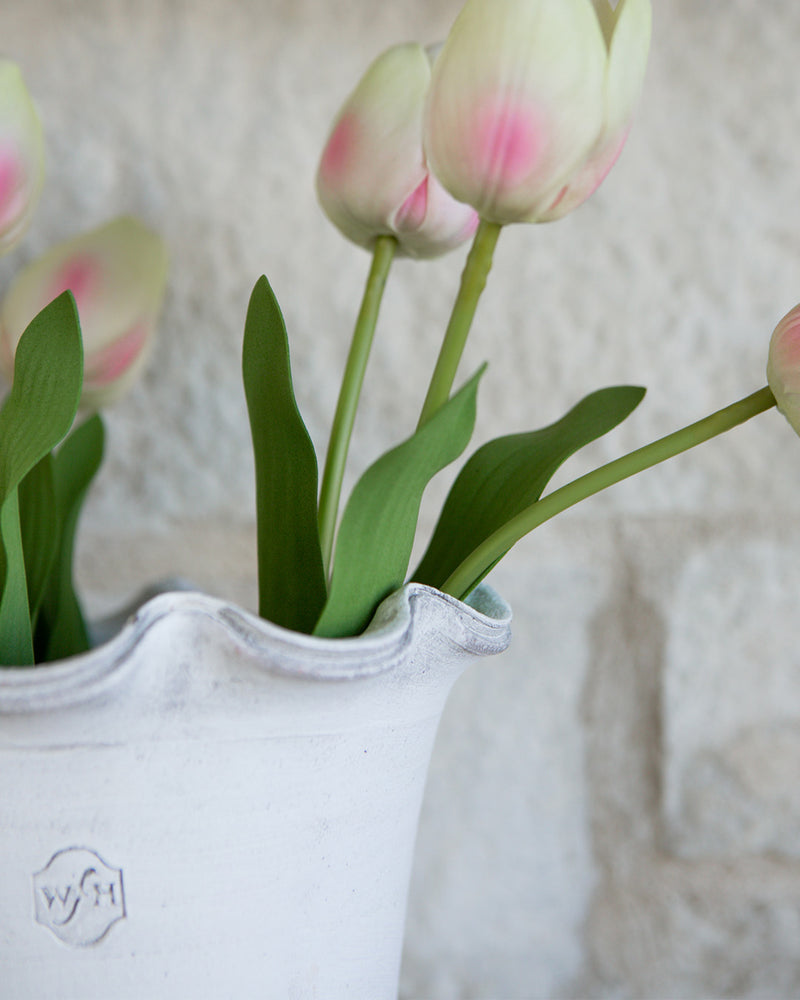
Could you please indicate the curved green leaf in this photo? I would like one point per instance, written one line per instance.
(62, 629)
(16, 631)
(38, 412)
(379, 522)
(508, 474)
(39, 526)
(291, 576)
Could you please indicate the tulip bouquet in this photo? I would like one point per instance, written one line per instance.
(516, 118)
(75, 328)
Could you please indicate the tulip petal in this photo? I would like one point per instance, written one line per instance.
(412, 212)
(516, 103)
(21, 156)
(10, 183)
(108, 365)
(587, 179)
(117, 275)
(627, 62)
(373, 179)
(629, 42)
(783, 366)
(446, 224)
(373, 158)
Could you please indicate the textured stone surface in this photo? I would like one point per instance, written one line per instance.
(525, 838)
(612, 810)
(731, 700)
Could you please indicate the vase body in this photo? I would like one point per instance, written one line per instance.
(210, 806)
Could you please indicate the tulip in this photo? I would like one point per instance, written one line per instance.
(21, 156)
(530, 102)
(373, 179)
(117, 274)
(783, 367)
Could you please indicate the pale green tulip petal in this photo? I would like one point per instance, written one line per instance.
(627, 63)
(447, 223)
(783, 367)
(117, 274)
(516, 103)
(373, 178)
(373, 158)
(587, 179)
(21, 156)
(629, 42)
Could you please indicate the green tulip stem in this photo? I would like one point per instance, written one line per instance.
(473, 281)
(342, 429)
(475, 566)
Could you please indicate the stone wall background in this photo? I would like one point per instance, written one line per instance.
(613, 808)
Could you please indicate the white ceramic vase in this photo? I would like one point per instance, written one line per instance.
(211, 807)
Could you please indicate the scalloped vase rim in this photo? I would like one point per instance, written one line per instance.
(480, 625)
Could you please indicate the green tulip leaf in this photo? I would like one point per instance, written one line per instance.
(38, 412)
(291, 576)
(508, 474)
(16, 631)
(380, 520)
(62, 628)
(39, 527)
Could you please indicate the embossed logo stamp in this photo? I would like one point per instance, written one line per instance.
(78, 896)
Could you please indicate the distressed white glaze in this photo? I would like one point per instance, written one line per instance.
(210, 806)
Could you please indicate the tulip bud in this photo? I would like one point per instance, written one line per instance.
(530, 102)
(117, 274)
(783, 367)
(626, 31)
(373, 179)
(21, 156)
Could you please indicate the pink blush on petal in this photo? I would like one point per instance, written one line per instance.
(11, 177)
(10, 172)
(111, 362)
(412, 212)
(80, 275)
(587, 179)
(788, 346)
(606, 162)
(338, 151)
(559, 197)
(507, 143)
(470, 226)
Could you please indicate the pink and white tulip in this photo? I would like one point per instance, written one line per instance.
(373, 179)
(117, 274)
(783, 366)
(531, 100)
(21, 156)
